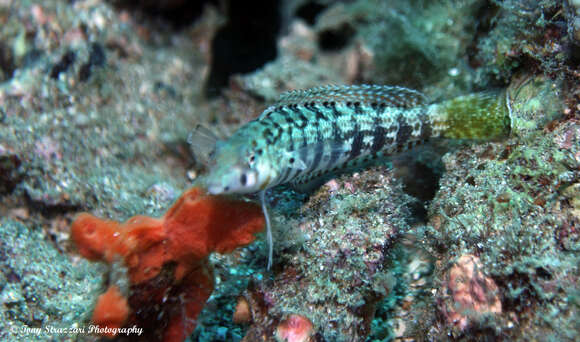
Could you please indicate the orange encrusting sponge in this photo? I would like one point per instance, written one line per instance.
(180, 243)
(112, 309)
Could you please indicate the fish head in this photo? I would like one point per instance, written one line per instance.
(239, 168)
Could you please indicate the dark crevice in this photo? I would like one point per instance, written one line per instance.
(177, 13)
(420, 181)
(97, 58)
(336, 39)
(51, 210)
(63, 64)
(485, 23)
(309, 11)
(7, 66)
(245, 43)
(10, 173)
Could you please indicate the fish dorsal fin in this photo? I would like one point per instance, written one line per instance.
(203, 142)
(368, 94)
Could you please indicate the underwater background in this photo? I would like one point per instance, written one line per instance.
(462, 241)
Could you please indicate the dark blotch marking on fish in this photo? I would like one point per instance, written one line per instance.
(304, 150)
(267, 133)
(357, 143)
(404, 132)
(426, 129)
(263, 122)
(379, 134)
(318, 114)
(300, 116)
(289, 131)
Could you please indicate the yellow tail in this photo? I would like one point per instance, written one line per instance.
(481, 116)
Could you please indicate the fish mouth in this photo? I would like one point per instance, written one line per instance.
(214, 189)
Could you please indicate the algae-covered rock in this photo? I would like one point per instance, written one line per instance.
(42, 288)
(505, 202)
(335, 274)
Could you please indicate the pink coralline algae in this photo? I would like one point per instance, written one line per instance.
(295, 328)
(472, 292)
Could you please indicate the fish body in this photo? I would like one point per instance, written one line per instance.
(310, 133)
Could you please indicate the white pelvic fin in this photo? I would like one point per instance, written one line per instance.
(268, 229)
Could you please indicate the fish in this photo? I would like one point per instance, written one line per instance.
(309, 134)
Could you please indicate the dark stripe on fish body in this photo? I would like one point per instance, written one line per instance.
(290, 132)
(303, 150)
(289, 120)
(276, 125)
(337, 138)
(303, 120)
(318, 113)
(318, 152)
(266, 133)
(379, 137)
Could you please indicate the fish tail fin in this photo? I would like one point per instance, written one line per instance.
(479, 116)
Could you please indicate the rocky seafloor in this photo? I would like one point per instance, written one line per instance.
(466, 241)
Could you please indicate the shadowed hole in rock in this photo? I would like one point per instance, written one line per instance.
(309, 11)
(245, 43)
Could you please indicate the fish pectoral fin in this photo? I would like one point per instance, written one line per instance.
(202, 142)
